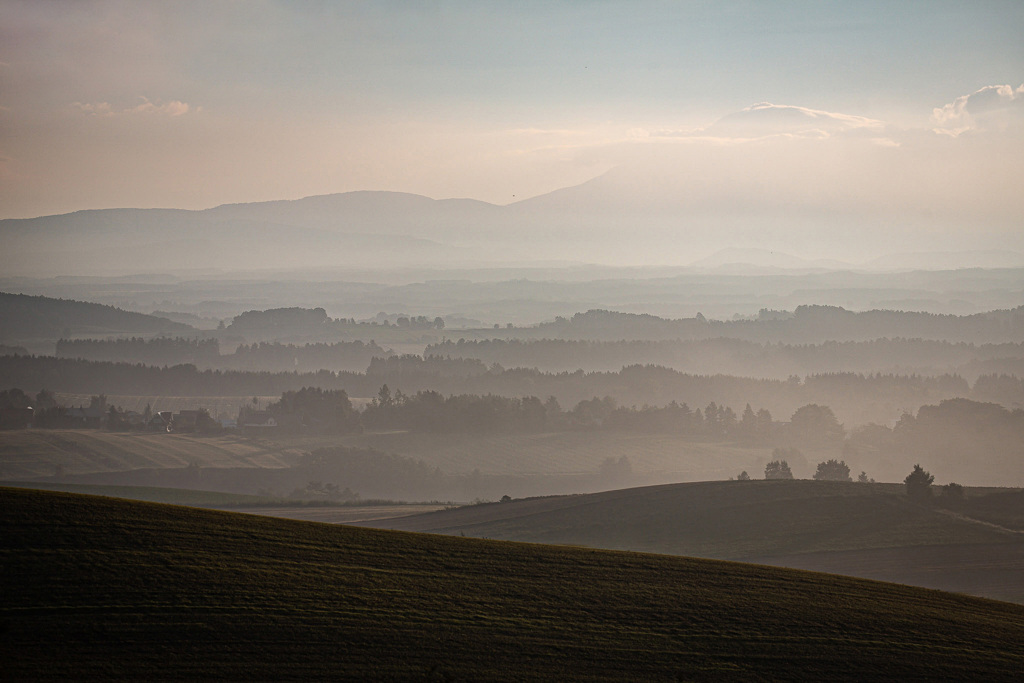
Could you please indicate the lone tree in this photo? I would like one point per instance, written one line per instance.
(743, 476)
(919, 483)
(833, 470)
(777, 469)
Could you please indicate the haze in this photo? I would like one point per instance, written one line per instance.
(735, 281)
(825, 130)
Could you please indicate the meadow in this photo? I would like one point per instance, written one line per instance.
(35, 453)
(868, 530)
(105, 588)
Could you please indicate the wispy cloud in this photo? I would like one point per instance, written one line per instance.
(777, 120)
(172, 108)
(991, 107)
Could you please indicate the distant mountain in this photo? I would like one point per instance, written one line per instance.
(353, 229)
(25, 317)
(646, 213)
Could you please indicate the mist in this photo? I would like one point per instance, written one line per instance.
(735, 281)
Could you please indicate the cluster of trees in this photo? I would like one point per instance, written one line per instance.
(957, 435)
(283, 320)
(18, 409)
(918, 483)
(430, 411)
(315, 409)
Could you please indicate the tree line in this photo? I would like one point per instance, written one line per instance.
(205, 353)
(805, 325)
(855, 398)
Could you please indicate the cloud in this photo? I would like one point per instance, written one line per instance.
(991, 107)
(172, 108)
(766, 119)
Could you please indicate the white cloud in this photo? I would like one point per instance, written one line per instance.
(991, 107)
(172, 108)
(763, 119)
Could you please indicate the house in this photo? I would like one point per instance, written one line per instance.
(90, 417)
(161, 422)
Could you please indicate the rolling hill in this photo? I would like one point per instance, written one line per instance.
(620, 217)
(26, 318)
(869, 530)
(353, 228)
(113, 589)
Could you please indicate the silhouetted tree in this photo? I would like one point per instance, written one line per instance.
(833, 470)
(813, 422)
(919, 483)
(743, 476)
(777, 469)
(748, 423)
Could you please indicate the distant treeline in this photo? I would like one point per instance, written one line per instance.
(957, 437)
(856, 398)
(156, 351)
(349, 356)
(205, 354)
(314, 321)
(806, 325)
(429, 411)
(739, 357)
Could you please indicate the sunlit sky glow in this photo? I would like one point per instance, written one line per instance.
(194, 104)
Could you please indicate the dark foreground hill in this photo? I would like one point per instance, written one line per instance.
(99, 587)
(868, 530)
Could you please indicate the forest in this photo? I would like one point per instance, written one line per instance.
(856, 398)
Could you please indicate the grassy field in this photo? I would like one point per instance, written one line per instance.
(791, 523)
(99, 587)
(154, 494)
(352, 512)
(35, 452)
(31, 453)
(570, 453)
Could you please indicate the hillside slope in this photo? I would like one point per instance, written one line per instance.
(97, 587)
(869, 530)
(38, 317)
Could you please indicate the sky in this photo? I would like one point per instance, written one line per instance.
(907, 105)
